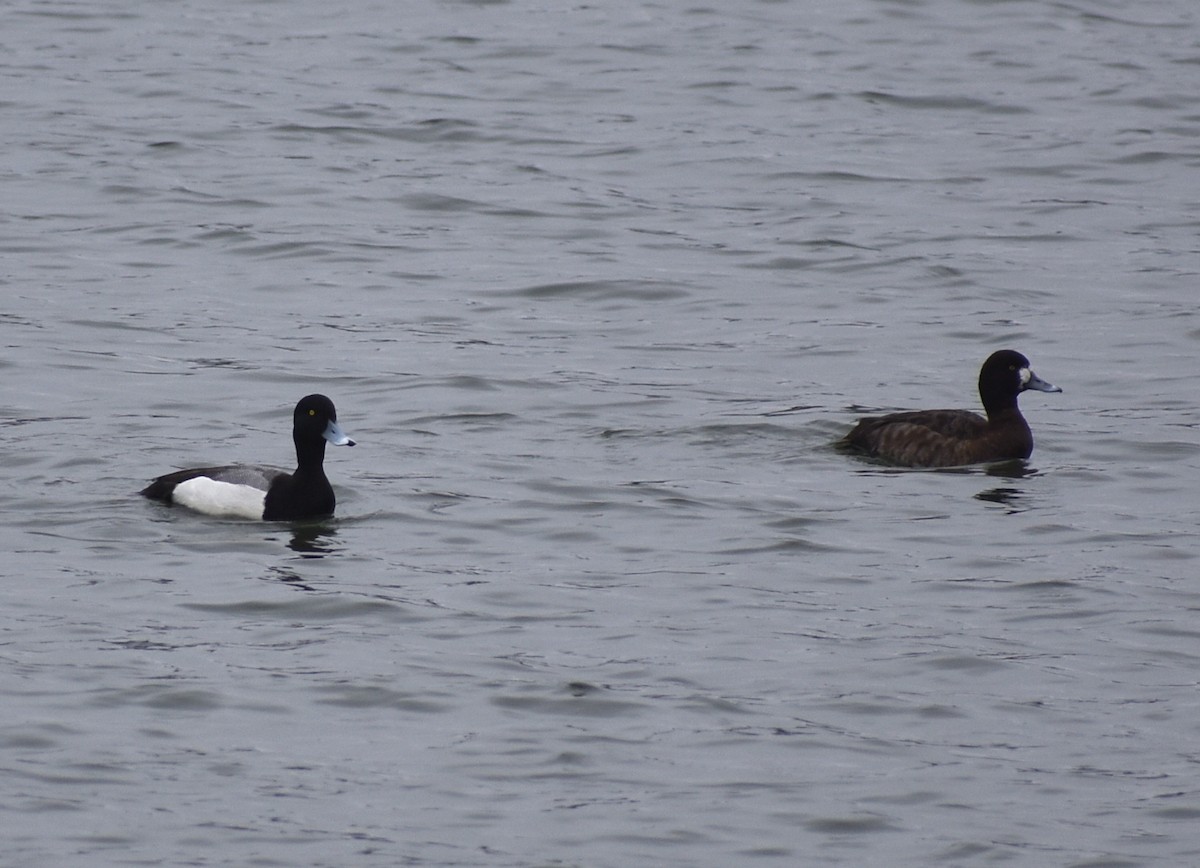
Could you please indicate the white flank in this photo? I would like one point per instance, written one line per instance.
(220, 498)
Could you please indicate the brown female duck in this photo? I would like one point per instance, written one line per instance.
(945, 438)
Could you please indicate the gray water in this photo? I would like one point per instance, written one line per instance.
(595, 287)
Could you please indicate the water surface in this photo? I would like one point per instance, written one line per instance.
(595, 288)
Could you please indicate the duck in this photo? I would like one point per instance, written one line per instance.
(265, 493)
(949, 438)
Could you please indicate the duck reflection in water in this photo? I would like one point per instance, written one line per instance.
(1007, 497)
(289, 578)
(313, 540)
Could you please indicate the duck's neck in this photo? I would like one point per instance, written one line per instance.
(310, 456)
(998, 409)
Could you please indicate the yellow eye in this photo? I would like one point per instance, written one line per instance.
(312, 412)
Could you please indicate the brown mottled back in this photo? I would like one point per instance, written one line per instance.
(941, 438)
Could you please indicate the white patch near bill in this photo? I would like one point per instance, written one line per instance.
(1026, 376)
(220, 498)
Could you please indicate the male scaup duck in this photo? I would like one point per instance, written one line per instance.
(248, 491)
(946, 438)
